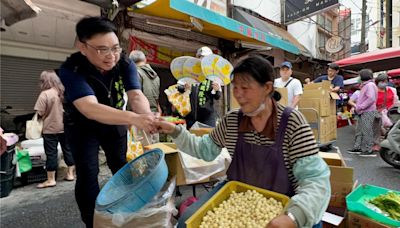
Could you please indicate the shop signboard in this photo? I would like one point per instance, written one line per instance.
(298, 9)
(334, 44)
(154, 53)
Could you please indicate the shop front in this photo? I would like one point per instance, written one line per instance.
(184, 26)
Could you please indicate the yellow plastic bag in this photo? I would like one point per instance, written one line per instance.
(180, 101)
(135, 147)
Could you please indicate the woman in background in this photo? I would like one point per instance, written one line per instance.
(50, 109)
(387, 98)
(366, 108)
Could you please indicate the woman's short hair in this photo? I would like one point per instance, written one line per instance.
(88, 27)
(365, 74)
(381, 78)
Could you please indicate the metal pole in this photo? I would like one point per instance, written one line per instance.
(388, 23)
(363, 28)
(283, 12)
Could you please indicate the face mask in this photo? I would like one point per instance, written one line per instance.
(257, 111)
(382, 85)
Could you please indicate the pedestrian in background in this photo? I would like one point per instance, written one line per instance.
(148, 79)
(333, 77)
(353, 103)
(387, 98)
(95, 80)
(293, 85)
(49, 107)
(203, 97)
(366, 108)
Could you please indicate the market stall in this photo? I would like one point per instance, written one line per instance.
(379, 60)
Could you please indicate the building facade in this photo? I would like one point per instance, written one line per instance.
(375, 24)
(316, 31)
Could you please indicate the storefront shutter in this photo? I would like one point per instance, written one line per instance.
(19, 80)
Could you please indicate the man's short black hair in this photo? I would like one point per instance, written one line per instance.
(333, 66)
(88, 27)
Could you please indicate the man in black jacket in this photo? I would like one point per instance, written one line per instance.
(95, 80)
(202, 98)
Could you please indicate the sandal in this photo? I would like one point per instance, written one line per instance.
(45, 185)
(69, 179)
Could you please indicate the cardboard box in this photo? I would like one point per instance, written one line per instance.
(284, 96)
(333, 126)
(173, 162)
(321, 105)
(324, 85)
(320, 91)
(342, 182)
(332, 107)
(327, 126)
(337, 213)
(332, 159)
(356, 220)
(324, 124)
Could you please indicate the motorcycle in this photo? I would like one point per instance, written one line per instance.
(390, 146)
(14, 120)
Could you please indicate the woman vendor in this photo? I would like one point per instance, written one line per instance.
(272, 147)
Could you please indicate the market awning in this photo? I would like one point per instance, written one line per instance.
(393, 73)
(384, 59)
(13, 11)
(243, 15)
(213, 23)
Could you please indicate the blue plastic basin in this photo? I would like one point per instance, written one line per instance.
(135, 184)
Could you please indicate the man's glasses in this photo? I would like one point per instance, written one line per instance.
(104, 51)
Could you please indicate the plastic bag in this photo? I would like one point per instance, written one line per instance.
(198, 125)
(24, 161)
(135, 147)
(196, 169)
(180, 101)
(386, 122)
(34, 128)
(155, 214)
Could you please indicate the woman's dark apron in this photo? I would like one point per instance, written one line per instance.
(261, 166)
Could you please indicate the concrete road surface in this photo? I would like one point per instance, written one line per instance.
(367, 170)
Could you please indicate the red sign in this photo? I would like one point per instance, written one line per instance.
(154, 53)
(150, 50)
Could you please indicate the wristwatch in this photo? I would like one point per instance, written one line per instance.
(291, 216)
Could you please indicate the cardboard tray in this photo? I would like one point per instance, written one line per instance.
(357, 202)
(195, 220)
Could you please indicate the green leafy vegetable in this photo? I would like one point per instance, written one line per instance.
(389, 203)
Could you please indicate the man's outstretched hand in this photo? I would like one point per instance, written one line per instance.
(164, 126)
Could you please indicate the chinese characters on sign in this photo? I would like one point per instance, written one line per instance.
(254, 33)
(297, 9)
(155, 54)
